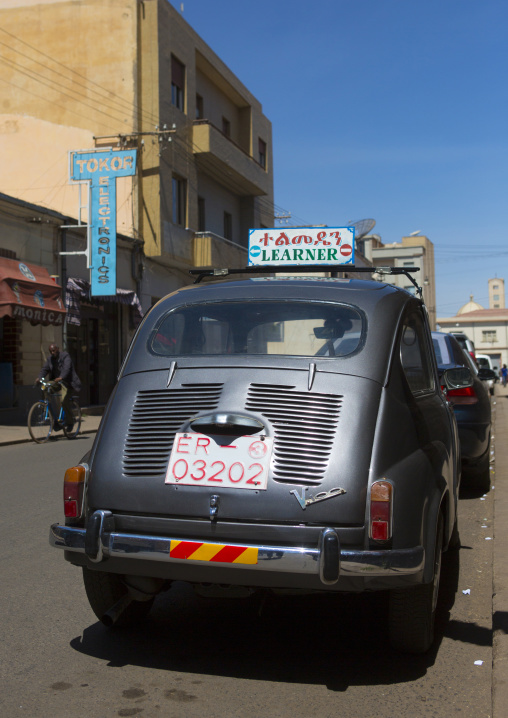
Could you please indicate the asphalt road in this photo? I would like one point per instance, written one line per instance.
(298, 657)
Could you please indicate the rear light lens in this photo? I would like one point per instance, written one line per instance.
(380, 524)
(466, 395)
(74, 485)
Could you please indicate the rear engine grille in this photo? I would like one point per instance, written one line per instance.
(304, 427)
(156, 417)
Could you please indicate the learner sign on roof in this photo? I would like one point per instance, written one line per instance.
(302, 245)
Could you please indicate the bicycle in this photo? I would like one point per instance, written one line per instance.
(42, 418)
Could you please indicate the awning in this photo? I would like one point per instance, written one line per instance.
(27, 291)
(78, 290)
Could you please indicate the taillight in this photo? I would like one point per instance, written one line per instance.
(74, 484)
(381, 495)
(466, 395)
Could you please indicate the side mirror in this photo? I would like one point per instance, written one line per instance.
(459, 378)
(484, 374)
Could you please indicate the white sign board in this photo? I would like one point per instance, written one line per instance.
(302, 245)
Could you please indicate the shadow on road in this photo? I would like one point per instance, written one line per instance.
(335, 641)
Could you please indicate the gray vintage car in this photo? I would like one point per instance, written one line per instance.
(272, 433)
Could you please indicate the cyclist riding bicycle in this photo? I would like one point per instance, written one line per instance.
(59, 368)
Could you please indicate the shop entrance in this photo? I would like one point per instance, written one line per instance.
(93, 347)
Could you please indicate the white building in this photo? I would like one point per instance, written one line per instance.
(487, 328)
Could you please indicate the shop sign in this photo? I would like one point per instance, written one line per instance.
(38, 316)
(302, 245)
(101, 168)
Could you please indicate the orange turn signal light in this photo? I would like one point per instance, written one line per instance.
(75, 475)
(381, 491)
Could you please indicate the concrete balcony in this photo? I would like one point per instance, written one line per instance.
(185, 249)
(227, 163)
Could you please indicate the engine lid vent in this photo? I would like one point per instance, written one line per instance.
(156, 417)
(304, 426)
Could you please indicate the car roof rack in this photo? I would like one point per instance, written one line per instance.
(305, 269)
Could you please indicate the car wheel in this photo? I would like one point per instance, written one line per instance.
(104, 590)
(477, 476)
(412, 610)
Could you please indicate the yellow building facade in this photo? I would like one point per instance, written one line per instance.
(123, 74)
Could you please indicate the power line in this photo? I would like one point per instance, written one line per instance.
(128, 105)
(47, 82)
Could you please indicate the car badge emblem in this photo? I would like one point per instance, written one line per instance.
(321, 496)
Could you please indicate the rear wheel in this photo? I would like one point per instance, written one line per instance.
(477, 476)
(412, 610)
(104, 590)
(71, 427)
(40, 422)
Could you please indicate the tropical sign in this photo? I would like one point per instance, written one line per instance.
(302, 245)
(101, 169)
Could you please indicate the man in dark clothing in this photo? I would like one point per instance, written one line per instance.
(59, 367)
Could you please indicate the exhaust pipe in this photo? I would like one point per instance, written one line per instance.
(139, 588)
(113, 614)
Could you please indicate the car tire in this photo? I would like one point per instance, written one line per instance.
(104, 590)
(412, 610)
(477, 476)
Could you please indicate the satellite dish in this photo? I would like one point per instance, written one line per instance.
(414, 234)
(362, 227)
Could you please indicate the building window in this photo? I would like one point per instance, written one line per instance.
(496, 297)
(408, 264)
(495, 286)
(262, 153)
(179, 201)
(226, 127)
(177, 83)
(489, 336)
(410, 288)
(200, 112)
(228, 226)
(201, 214)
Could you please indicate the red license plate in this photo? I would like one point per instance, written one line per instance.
(202, 460)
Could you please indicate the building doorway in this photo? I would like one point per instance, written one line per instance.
(93, 347)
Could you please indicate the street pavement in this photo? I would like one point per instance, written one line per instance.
(499, 486)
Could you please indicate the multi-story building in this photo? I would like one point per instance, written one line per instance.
(412, 251)
(487, 328)
(84, 74)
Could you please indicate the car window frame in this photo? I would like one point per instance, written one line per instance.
(422, 316)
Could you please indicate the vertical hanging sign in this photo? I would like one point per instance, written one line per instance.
(101, 169)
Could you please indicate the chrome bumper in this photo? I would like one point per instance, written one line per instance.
(327, 560)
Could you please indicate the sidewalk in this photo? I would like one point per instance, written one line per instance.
(12, 434)
(499, 479)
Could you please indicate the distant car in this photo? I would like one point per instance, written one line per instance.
(276, 434)
(484, 361)
(466, 343)
(471, 405)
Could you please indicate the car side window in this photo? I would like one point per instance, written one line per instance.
(414, 355)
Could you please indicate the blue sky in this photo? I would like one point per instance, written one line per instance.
(390, 109)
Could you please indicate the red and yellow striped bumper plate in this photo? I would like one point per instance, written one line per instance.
(214, 552)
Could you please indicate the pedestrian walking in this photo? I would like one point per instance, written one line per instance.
(504, 375)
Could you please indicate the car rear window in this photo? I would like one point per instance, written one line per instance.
(441, 350)
(296, 328)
